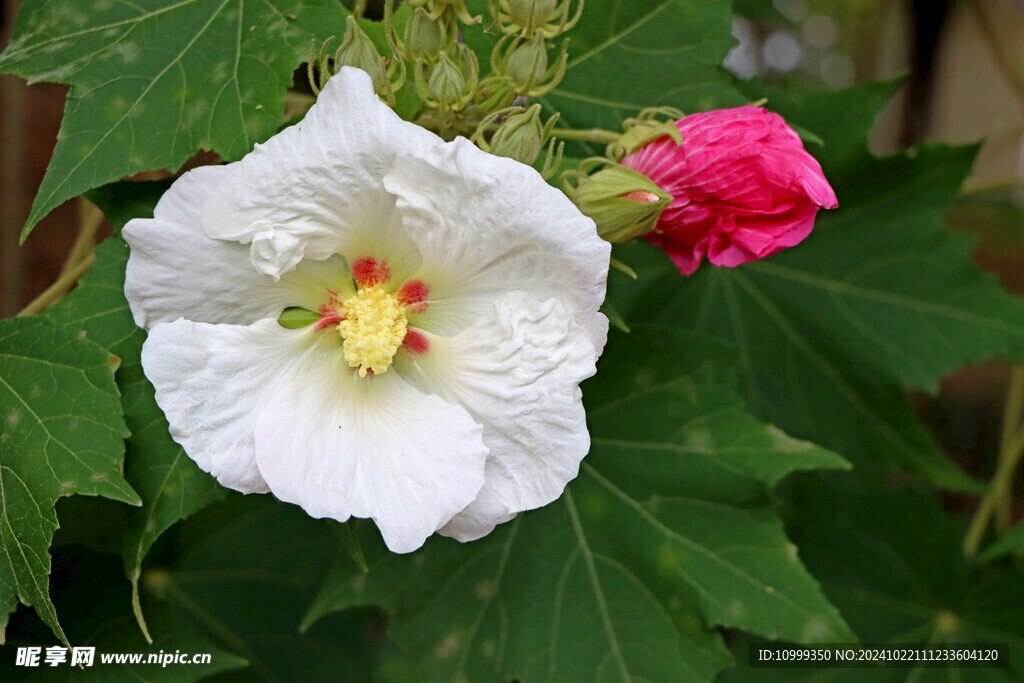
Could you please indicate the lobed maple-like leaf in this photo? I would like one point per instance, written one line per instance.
(61, 433)
(92, 596)
(152, 82)
(168, 481)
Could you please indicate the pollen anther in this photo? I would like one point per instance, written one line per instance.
(373, 328)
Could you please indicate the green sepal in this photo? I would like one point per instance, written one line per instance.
(622, 202)
(295, 318)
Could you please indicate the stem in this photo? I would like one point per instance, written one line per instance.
(972, 540)
(79, 258)
(56, 291)
(351, 542)
(90, 220)
(1010, 448)
(137, 609)
(1002, 486)
(589, 135)
(999, 496)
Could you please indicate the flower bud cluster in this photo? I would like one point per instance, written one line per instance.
(455, 97)
(446, 71)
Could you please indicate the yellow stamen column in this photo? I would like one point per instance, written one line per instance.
(373, 328)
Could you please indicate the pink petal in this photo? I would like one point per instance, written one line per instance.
(743, 187)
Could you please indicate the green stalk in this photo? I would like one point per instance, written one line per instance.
(1013, 449)
(589, 135)
(998, 499)
(58, 289)
(90, 220)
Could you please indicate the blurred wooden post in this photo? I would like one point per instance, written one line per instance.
(12, 184)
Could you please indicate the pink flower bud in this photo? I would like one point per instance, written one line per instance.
(742, 187)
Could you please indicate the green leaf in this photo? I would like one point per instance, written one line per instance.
(61, 433)
(169, 482)
(1011, 542)
(250, 567)
(761, 10)
(890, 559)
(626, 55)
(880, 296)
(94, 601)
(670, 525)
(154, 81)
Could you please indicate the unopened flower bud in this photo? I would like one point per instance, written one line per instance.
(528, 63)
(530, 14)
(359, 51)
(524, 63)
(449, 86)
(521, 136)
(623, 203)
(423, 36)
(527, 17)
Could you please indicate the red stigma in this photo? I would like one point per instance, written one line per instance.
(333, 303)
(368, 272)
(415, 341)
(413, 295)
(330, 319)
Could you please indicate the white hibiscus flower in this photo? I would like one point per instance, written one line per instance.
(457, 300)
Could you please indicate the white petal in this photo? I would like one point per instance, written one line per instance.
(341, 445)
(176, 271)
(211, 382)
(486, 512)
(517, 370)
(315, 189)
(182, 201)
(486, 226)
(275, 250)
